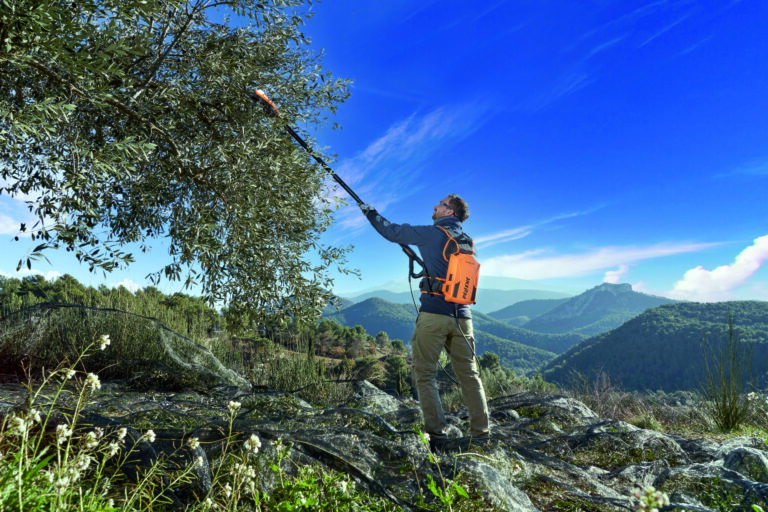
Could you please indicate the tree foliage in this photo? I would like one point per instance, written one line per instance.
(123, 122)
(184, 314)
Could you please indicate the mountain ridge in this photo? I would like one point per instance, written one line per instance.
(661, 349)
(596, 310)
(488, 299)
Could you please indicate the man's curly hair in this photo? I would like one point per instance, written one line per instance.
(459, 207)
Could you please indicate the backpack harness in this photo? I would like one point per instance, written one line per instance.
(459, 285)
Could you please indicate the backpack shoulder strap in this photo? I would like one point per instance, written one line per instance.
(461, 243)
(451, 246)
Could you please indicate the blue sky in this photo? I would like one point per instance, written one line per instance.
(618, 141)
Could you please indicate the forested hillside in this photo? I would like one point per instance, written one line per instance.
(597, 310)
(521, 312)
(661, 349)
(556, 343)
(488, 299)
(519, 349)
(189, 316)
(376, 315)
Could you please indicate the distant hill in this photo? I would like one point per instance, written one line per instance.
(491, 299)
(661, 348)
(518, 349)
(341, 304)
(521, 358)
(389, 296)
(595, 311)
(488, 299)
(556, 343)
(377, 315)
(521, 312)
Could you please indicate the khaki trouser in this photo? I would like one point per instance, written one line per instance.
(432, 334)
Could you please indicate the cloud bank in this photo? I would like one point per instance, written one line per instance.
(700, 284)
(615, 276)
(539, 264)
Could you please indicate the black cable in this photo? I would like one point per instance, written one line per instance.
(466, 339)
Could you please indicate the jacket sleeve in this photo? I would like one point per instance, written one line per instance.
(399, 233)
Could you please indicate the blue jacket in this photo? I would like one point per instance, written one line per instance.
(430, 241)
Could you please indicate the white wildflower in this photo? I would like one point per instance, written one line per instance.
(83, 462)
(193, 443)
(238, 470)
(121, 433)
(34, 416)
(253, 443)
(62, 433)
(228, 491)
(112, 449)
(199, 462)
(92, 380)
(19, 424)
(234, 407)
(104, 341)
(91, 440)
(650, 500)
(61, 485)
(752, 396)
(150, 435)
(70, 373)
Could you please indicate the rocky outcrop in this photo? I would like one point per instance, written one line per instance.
(547, 452)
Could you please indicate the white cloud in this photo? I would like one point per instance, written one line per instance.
(704, 285)
(503, 236)
(538, 265)
(665, 29)
(523, 231)
(129, 285)
(13, 212)
(615, 276)
(50, 276)
(755, 167)
(8, 226)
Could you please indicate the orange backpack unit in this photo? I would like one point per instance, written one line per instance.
(459, 285)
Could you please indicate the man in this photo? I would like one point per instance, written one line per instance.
(440, 324)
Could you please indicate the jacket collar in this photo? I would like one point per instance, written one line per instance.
(448, 223)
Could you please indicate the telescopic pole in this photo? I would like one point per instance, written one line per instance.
(271, 110)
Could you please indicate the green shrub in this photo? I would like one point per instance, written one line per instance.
(727, 370)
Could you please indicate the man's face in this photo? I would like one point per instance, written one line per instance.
(443, 209)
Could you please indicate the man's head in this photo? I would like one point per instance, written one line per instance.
(451, 206)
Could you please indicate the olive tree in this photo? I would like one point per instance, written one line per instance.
(129, 121)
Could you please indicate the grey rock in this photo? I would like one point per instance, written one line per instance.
(750, 462)
(496, 486)
(729, 445)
